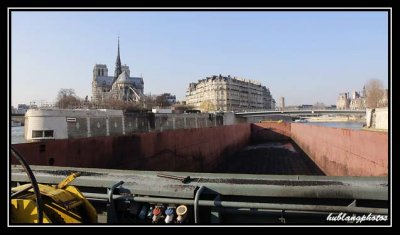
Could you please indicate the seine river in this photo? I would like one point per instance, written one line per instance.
(346, 125)
(17, 133)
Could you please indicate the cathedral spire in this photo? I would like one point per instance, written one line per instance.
(118, 69)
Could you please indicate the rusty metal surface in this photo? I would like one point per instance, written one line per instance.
(181, 150)
(340, 152)
(148, 183)
(332, 151)
(275, 158)
(268, 182)
(270, 131)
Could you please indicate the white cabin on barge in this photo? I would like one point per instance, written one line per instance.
(46, 124)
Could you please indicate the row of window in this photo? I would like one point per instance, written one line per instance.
(223, 93)
(232, 88)
(42, 133)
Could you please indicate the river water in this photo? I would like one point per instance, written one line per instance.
(17, 135)
(346, 125)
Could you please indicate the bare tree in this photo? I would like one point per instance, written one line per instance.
(162, 100)
(62, 93)
(373, 93)
(66, 98)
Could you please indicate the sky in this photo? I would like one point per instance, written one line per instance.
(306, 57)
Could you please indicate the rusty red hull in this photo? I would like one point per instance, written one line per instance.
(181, 150)
(337, 152)
(344, 152)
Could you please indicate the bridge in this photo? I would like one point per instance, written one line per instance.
(302, 112)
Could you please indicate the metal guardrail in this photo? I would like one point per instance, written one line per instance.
(148, 183)
(235, 185)
(239, 204)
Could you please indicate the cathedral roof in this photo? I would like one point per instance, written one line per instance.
(104, 81)
(124, 78)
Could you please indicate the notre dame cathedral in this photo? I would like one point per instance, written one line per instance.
(121, 86)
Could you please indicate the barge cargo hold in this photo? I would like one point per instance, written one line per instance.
(333, 151)
(263, 173)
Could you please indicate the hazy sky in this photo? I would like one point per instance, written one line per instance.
(304, 56)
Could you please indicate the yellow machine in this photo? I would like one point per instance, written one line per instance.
(61, 204)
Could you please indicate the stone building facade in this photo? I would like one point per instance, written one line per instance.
(343, 101)
(220, 93)
(353, 102)
(121, 86)
(357, 100)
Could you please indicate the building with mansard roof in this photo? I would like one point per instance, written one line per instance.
(220, 93)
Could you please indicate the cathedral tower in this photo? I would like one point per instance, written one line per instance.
(118, 67)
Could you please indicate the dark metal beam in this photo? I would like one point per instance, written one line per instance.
(148, 183)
